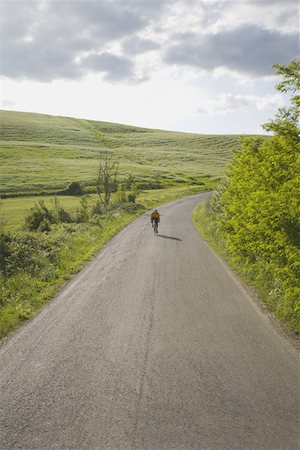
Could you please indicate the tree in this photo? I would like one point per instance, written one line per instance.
(257, 210)
(107, 178)
(75, 188)
(287, 119)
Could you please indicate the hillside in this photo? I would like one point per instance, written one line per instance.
(43, 154)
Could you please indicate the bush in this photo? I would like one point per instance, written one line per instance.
(40, 217)
(98, 209)
(83, 213)
(59, 213)
(4, 251)
(120, 196)
(131, 196)
(74, 188)
(257, 212)
(31, 253)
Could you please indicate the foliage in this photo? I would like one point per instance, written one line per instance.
(4, 251)
(60, 215)
(31, 253)
(40, 217)
(132, 194)
(107, 178)
(74, 188)
(291, 80)
(84, 211)
(257, 210)
(120, 194)
(287, 119)
(2, 217)
(126, 196)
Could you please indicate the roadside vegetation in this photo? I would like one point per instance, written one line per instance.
(253, 219)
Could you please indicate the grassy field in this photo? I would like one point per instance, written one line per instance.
(43, 154)
(15, 209)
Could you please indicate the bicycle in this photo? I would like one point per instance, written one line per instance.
(155, 227)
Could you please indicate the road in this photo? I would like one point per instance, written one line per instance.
(154, 345)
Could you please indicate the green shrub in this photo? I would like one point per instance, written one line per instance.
(257, 212)
(84, 212)
(5, 241)
(98, 209)
(74, 188)
(38, 216)
(120, 196)
(132, 194)
(32, 253)
(59, 213)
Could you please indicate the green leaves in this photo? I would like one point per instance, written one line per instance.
(257, 210)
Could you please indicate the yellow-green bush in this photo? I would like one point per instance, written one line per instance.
(257, 211)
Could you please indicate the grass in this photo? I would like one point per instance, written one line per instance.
(208, 230)
(14, 210)
(42, 154)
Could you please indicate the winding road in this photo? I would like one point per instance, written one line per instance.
(153, 345)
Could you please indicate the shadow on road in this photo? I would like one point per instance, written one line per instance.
(169, 237)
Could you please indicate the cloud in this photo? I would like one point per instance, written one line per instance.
(268, 14)
(48, 40)
(45, 40)
(101, 20)
(230, 102)
(248, 50)
(135, 46)
(115, 68)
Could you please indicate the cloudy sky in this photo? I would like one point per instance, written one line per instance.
(202, 66)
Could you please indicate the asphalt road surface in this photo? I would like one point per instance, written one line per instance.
(154, 345)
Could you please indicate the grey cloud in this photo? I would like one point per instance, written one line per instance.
(135, 46)
(115, 68)
(47, 40)
(247, 49)
(16, 18)
(105, 19)
(43, 40)
(38, 63)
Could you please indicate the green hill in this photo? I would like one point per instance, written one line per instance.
(43, 154)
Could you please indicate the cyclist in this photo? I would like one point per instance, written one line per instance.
(155, 218)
